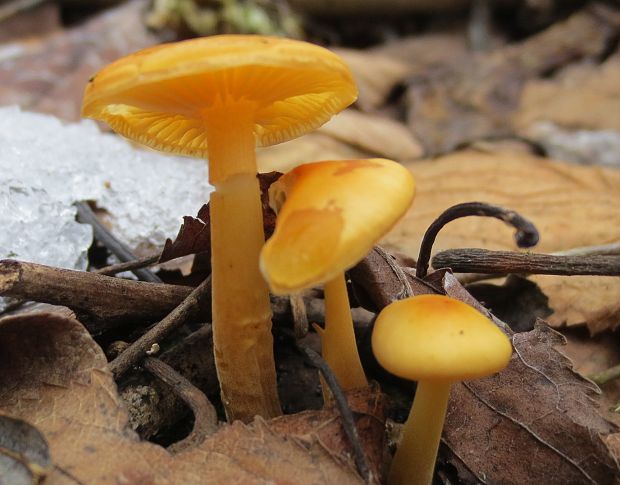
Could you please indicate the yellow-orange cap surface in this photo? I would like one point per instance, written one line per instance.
(159, 96)
(332, 213)
(435, 337)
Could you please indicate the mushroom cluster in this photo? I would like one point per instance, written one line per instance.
(330, 214)
(219, 97)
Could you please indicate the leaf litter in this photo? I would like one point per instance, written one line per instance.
(494, 426)
(55, 376)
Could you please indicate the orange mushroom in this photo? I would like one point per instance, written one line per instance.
(219, 97)
(435, 340)
(330, 214)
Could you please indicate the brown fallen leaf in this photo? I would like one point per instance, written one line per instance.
(428, 51)
(49, 73)
(376, 75)
(308, 148)
(592, 355)
(377, 135)
(195, 233)
(572, 206)
(54, 376)
(537, 421)
(34, 21)
(562, 100)
(478, 96)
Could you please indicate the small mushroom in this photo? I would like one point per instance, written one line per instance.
(435, 340)
(218, 97)
(330, 214)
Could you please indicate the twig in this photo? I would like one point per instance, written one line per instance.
(473, 260)
(137, 350)
(150, 403)
(205, 416)
(122, 252)
(526, 235)
(300, 316)
(128, 266)
(604, 249)
(16, 6)
(348, 421)
(609, 249)
(100, 302)
(604, 377)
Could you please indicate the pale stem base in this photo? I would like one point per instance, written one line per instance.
(339, 348)
(242, 340)
(414, 461)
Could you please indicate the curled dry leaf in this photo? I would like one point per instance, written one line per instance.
(195, 233)
(534, 422)
(572, 206)
(54, 376)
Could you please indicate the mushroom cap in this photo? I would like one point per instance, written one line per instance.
(159, 96)
(435, 337)
(331, 214)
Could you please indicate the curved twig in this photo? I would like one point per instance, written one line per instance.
(526, 235)
(205, 416)
(348, 421)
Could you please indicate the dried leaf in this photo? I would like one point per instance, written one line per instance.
(53, 375)
(374, 134)
(194, 237)
(376, 75)
(517, 301)
(592, 355)
(477, 98)
(562, 100)
(195, 233)
(535, 422)
(572, 206)
(308, 148)
(425, 52)
(49, 74)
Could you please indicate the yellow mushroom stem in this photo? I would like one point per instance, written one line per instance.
(414, 461)
(338, 344)
(242, 340)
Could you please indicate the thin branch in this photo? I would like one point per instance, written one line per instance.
(205, 416)
(604, 249)
(526, 235)
(9, 9)
(128, 266)
(105, 237)
(137, 350)
(300, 315)
(348, 421)
(100, 302)
(606, 376)
(473, 260)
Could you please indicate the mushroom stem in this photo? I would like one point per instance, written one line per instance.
(338, 344)
(242, 340)
(414, 461)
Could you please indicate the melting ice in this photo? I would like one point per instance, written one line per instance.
(46, 165)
